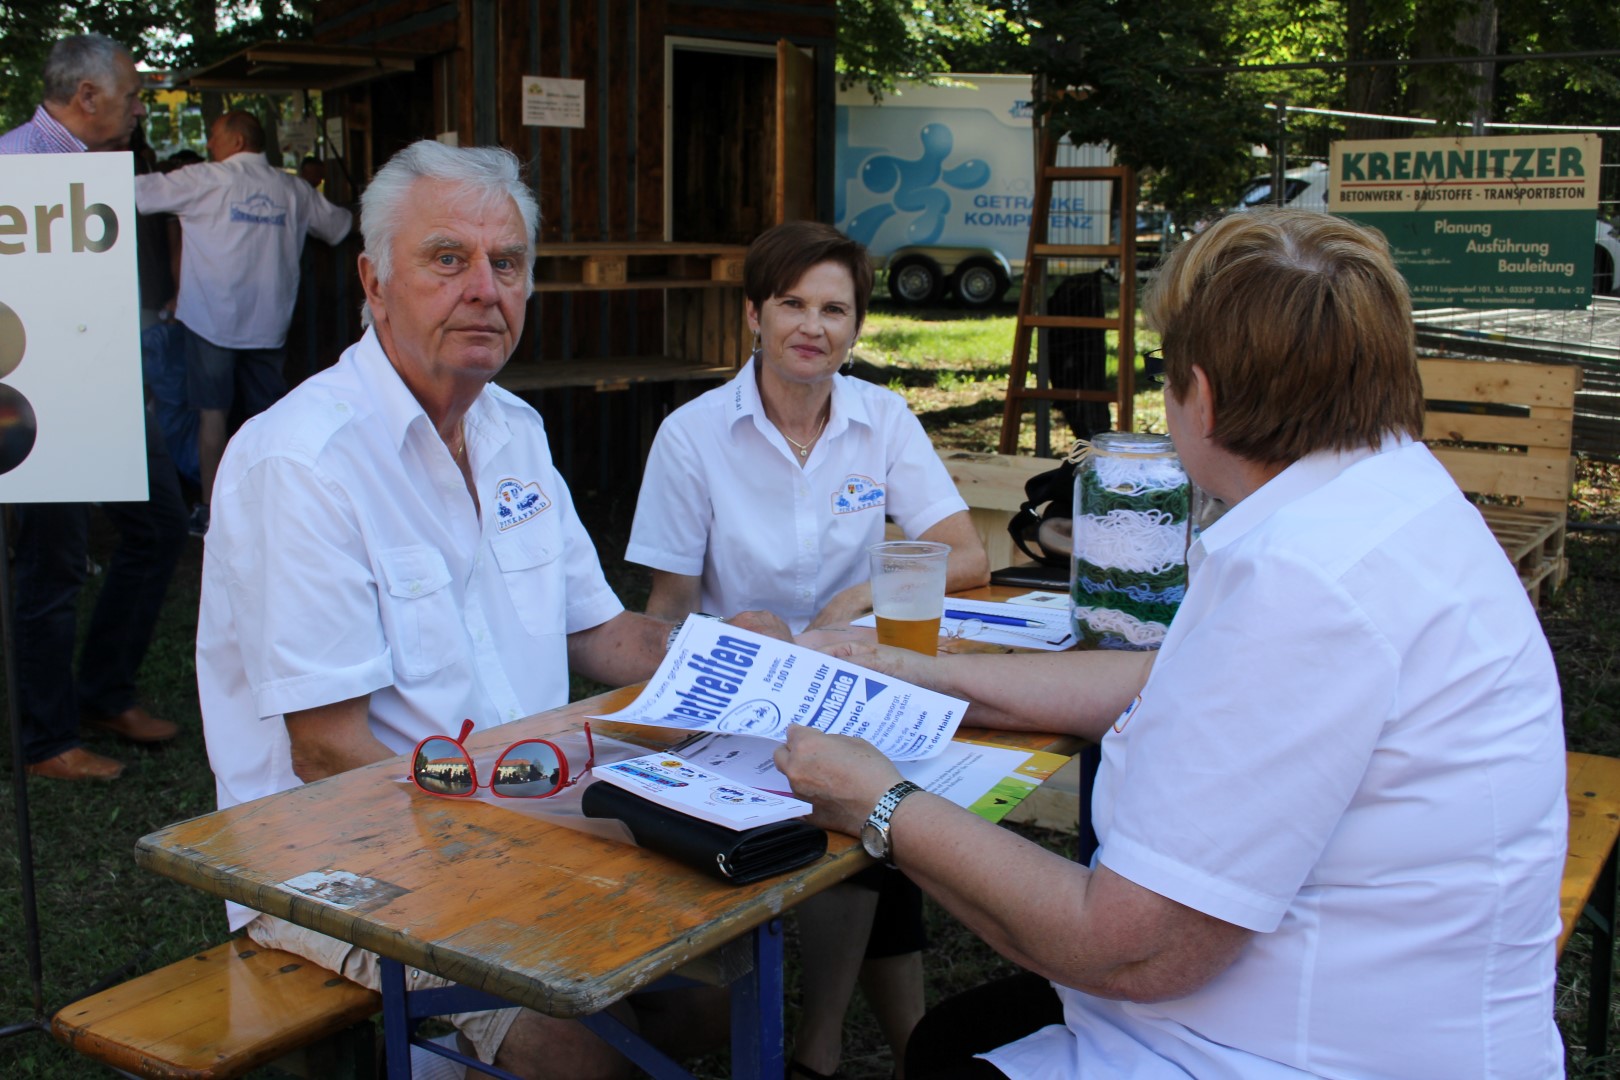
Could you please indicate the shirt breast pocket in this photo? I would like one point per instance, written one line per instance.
(532, 568)
(420, 612)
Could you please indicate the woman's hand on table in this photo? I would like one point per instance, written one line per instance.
(842, 776)
(861, 647)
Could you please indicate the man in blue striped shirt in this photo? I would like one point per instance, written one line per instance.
(92, 101)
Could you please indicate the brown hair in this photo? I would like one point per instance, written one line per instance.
(1303, 327)
(782, 254)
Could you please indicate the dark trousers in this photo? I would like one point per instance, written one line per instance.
(976, 1021)
(51, 543)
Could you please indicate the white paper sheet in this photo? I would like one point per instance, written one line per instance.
(1047, 629)
(722, 678)
(989, 780)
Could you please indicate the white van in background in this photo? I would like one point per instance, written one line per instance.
(939, 183)
(1304, 189)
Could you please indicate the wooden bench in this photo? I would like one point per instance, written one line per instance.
(993, 487)
(1593, 785)
(221, 1013)
(1503, 431)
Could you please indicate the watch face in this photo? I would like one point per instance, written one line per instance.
(873, 841)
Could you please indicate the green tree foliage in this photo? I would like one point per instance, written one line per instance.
(163, 34)
(881, 41)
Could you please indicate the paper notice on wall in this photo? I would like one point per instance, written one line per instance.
(717, 677)
(553, 102)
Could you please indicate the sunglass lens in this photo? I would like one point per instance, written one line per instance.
(442, 767)
(529, 770)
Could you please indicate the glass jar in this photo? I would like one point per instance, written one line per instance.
(1132, 503)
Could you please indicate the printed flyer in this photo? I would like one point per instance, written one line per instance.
(723, 678)
(982, 777)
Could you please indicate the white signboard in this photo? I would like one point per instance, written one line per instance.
(553, 102)
(297, 139)
(71, 409)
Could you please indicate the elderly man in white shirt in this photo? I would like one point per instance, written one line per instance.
(394, 550)
(1331, 810)
(243, 224)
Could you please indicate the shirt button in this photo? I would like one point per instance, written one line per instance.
(416, 587)
(511, 714)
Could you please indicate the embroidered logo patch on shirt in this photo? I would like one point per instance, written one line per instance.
(1130, 711)
(516, 503)
(258, 210)
(857, 493)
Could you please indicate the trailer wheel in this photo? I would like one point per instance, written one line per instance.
(979, 283)
(916, 280)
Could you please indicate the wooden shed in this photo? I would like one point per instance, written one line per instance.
(661, 137)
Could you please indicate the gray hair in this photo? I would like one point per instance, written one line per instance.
(80, 58)
(486, 174)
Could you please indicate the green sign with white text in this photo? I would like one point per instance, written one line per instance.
(1481, 223)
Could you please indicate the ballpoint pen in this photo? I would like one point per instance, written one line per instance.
(992, 620)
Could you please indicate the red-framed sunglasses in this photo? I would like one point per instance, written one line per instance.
(530, 769)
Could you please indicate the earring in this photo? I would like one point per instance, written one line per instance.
(849, 357)
(755, 348)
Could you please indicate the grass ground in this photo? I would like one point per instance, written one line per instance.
(103, 918)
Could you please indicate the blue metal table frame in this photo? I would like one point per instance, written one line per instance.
(756, 1018)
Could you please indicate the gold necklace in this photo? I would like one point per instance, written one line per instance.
(804, 447)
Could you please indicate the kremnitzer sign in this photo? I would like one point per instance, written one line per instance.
(1497, 222)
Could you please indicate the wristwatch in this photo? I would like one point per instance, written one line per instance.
(675, 631)
(875, 833)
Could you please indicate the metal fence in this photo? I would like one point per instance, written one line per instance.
(1589, 338)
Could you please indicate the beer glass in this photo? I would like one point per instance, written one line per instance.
(908, 593)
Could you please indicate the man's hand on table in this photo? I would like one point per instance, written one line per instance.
(842, 776)
(762, 622)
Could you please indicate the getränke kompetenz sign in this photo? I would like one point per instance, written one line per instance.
(72, 413)
(1479, 223)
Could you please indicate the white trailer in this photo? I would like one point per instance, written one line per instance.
(938, 183)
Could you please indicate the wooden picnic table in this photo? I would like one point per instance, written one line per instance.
(504, 901)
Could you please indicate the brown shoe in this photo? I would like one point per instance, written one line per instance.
(77, 764)
(136, 725)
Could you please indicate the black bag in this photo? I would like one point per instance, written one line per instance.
(1042, 527)
(740, 857)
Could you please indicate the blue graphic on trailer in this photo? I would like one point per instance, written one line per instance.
(918, 185)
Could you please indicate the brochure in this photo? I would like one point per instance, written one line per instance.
(675, 782)
(985, 778)
(717, 677)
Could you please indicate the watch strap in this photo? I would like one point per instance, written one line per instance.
(883, 813)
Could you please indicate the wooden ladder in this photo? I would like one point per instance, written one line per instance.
(1032, 298)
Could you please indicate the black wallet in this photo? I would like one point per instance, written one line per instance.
(740, 857)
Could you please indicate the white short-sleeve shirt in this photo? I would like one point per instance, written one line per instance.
(1352, 744)
(243, 224)
(345, 557)
(723, 497)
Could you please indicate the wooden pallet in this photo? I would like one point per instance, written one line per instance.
(1534, 543)
(1503, 430)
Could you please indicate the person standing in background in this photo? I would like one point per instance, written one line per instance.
(92, 104)
(243, 224)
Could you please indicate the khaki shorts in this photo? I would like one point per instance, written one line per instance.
(484, 1030)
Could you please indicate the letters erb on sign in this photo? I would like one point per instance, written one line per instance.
(71, 407)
